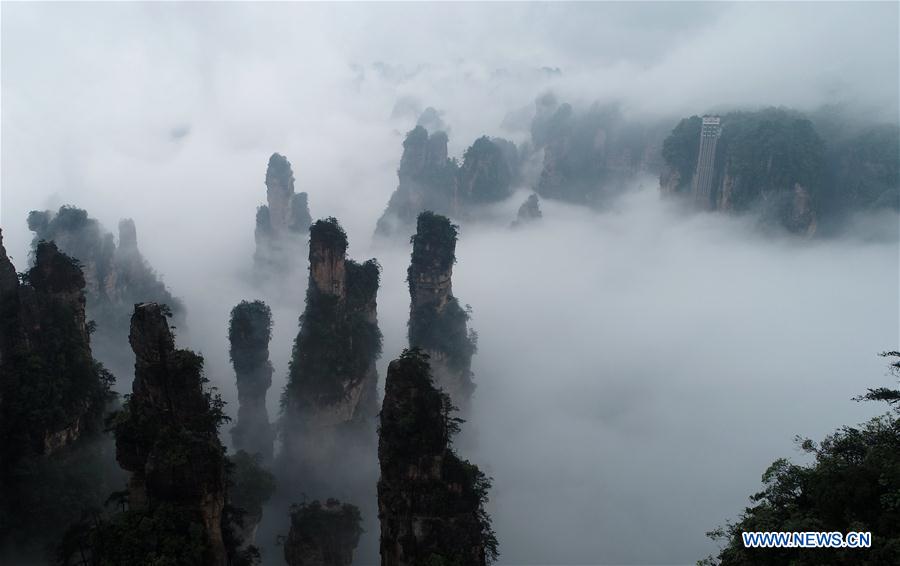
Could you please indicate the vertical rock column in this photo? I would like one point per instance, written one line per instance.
(437, 323)
(249, 333)
(282, 223)
(430, 502)
(167, 433)
(332, 384)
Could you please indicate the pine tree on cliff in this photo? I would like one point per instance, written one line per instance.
(177, 508)
(282, 223)
(249, 332)
(53, 395)
(437, 323)
(430, 502)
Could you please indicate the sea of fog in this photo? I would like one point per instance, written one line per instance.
(638, 368)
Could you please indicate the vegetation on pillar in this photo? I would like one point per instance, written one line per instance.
(430, 502)
(53, 395)
(437, 322)
(771, 161)
(249, 333)
(430, 180)
(116, 277)
(175, 510)
(339, 340)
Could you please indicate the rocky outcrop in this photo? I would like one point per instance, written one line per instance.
(9, 281)
(116, 277)
(430, 502)
(177, 508)
(528, 212)
(863, 172)
(590, 156)
(437, 323)
(53, 396)
(249, 332)
(486, 173)
(167, 435)
(430, 180)
(282, 224)
(322, 535)
(427, 180)
(770, 162)
(52, 392)
(333, 378)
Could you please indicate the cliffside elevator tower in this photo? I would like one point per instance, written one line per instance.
(706, 162)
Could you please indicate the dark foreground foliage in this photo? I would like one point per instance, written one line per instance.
(853, 484)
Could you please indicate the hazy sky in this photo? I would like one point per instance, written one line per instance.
(637, 369)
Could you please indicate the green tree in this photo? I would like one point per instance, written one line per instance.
(853, 484)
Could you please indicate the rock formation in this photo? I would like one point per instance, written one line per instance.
(430, 180)
(167, 437)
(116, 277)
(864, 172)
(282, 224)
(437, 323)
(53, 391)
(589, 156)
(427, 180)
(771, 162)
(486, 173)
(529, 211)
(322, 535)
(249, 333)
(250, 487)
(53, 396)
(177, 508)
(430, 502)
(331, 389)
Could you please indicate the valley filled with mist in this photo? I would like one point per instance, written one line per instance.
(630, 346)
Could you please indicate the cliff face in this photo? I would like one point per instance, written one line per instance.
(770, 162)
(332, 376)
(322, 535)
(427, 180)
(167, 435)
(249, 333)
(176, 509)
(863, 172)
(430, 502)
(282, 223)
(486, 174)
(116, 277)
(53, 391)
(437, 323)
(430, 180)
(589, 156)
(8, 280)
(53, 396)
